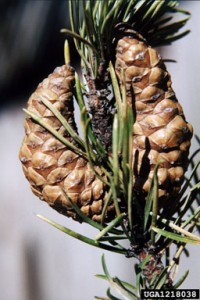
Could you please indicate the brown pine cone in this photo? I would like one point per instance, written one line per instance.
(51, 168)
(161, 133)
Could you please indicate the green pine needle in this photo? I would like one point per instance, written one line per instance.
(181, 280)
(55, 133)
(111, 225)
(83, 238)
(188, 238)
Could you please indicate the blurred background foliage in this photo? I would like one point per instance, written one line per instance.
(31, 45)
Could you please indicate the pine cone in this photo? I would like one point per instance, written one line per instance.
(51, 168)
(161, 132)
